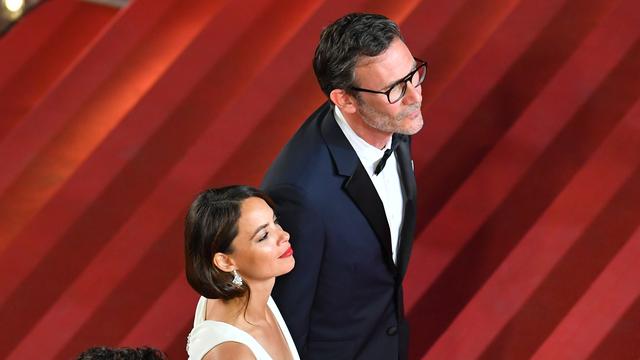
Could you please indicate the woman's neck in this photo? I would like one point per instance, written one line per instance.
(256, 310)
(251, 308)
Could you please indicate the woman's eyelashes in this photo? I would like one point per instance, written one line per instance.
(266, 233)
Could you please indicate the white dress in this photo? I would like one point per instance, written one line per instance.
(206, 334)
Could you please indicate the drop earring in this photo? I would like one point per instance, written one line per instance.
(237, 280)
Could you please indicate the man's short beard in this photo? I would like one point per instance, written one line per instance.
(372, 117)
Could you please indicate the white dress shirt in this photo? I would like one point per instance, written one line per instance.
(387, 182)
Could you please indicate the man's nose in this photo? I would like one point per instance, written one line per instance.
(413, 94)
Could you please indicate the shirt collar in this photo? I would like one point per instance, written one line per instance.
(368, 154)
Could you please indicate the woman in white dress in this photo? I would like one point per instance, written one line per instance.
(234, 249)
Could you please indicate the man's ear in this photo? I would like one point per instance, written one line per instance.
(223, 262)
(344, 101)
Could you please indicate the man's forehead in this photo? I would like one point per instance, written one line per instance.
(364, 60)
(383, 70)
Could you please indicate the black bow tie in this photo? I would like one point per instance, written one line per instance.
(383, 161)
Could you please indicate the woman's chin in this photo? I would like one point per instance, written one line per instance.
(292, 263)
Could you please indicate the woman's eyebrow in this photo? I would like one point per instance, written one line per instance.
(258, 230)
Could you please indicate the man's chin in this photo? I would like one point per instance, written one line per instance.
(412, 126)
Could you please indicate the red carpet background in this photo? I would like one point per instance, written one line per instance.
(528, 168)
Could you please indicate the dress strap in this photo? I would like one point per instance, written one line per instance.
(207, 334)
(210, 334)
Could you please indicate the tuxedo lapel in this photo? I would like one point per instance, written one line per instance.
(409, 219)
(363, 193)
(358, 185)
(403, 154)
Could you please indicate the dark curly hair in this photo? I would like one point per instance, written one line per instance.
(126, 353)
(345, 41)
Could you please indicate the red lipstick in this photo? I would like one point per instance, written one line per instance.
(287, 253)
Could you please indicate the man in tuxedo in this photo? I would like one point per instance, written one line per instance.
(344, 189)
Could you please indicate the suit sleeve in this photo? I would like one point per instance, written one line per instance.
(294, 292)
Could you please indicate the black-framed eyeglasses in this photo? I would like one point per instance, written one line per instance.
(399, 88)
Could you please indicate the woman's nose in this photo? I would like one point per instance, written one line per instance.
(284, 237)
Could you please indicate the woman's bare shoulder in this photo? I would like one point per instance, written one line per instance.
(230, 350)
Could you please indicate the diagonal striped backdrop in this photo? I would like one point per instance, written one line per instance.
(528, 168)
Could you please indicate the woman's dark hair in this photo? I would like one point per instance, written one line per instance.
(344, 42)
(126, 353)
(210, 226)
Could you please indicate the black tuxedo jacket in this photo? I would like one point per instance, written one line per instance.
(343, 299)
